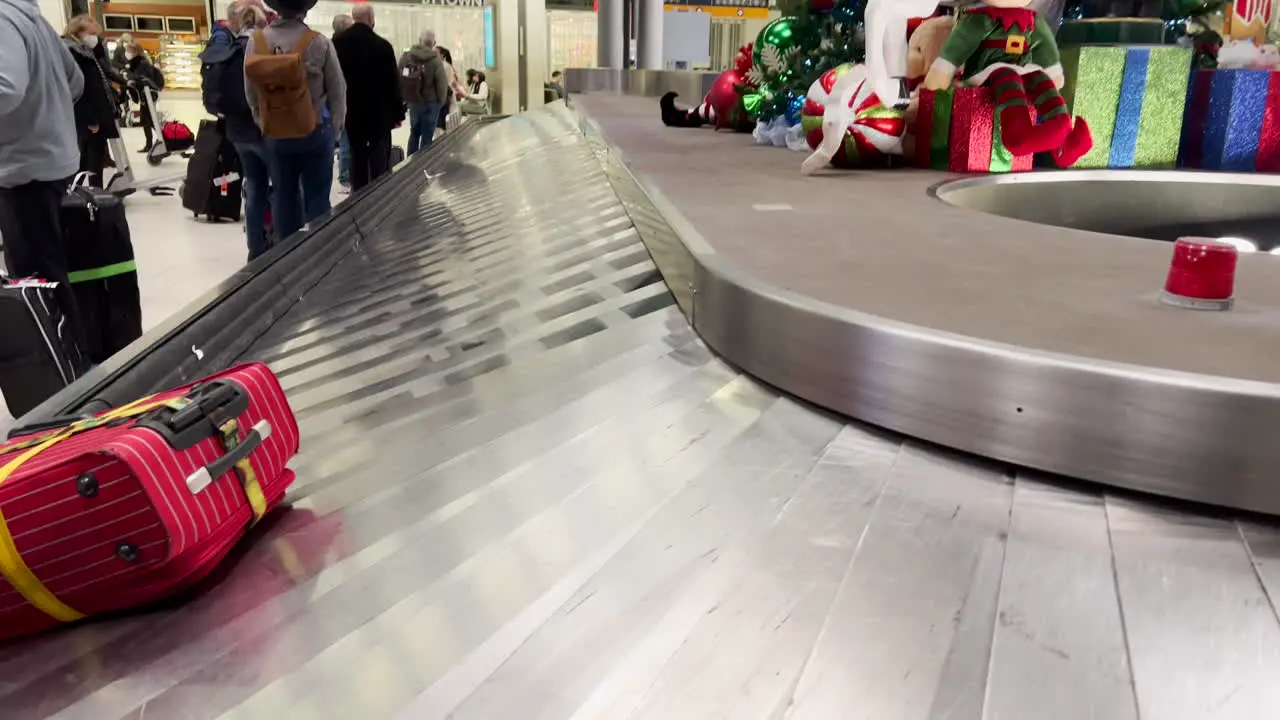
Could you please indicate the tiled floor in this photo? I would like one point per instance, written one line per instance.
(180, 258)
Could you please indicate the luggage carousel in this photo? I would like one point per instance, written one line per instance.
(527, 489)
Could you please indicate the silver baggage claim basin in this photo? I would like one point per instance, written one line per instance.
(1241, 208)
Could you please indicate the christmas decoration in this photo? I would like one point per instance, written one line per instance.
(1191, 19)
(869, 132)
(777, 46)
(1244, 55)
(676, 116)
(1248, 20)
(806, 42)
(780, 133)
(722, 106)
(1134, 98)
(1232, 121)
(1007, 46)
(957, 130)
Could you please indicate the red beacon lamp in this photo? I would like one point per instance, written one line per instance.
(1202, 274)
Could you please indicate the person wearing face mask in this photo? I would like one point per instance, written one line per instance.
(95, 110)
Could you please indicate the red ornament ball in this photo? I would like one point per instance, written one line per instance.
(822, 7)
(727, 102)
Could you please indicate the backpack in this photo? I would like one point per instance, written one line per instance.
(413, 81)
(222, 80)
(285, 109)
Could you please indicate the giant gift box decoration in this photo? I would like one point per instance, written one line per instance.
(1232, 121)
(956, 130)
(1134, 99)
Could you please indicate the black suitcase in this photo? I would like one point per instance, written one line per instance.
(213, 184)
(101, 268)
(38, 357)
(397, 155)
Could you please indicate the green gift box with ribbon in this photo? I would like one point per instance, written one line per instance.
(1133, 99)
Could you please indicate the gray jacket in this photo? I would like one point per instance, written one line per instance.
(324, 74)
(39, 84)
(435, 79)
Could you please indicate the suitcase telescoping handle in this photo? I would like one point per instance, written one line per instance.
(204, 477)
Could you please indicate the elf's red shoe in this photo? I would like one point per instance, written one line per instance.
(1078, 142)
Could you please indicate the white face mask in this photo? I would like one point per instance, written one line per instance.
(90, 41)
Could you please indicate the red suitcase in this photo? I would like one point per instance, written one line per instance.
(131, 506)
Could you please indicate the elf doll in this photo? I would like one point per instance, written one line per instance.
(1006, 46)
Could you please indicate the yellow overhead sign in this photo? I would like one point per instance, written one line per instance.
(723, 11)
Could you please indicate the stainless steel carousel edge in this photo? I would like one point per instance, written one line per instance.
(1192, 437)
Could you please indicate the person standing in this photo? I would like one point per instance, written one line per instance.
(147, 80)
(373, 96)
(39, 84)
(298, 82)
(424, 82)
(225, 97)
(341, 23)
(455, 85)
(95, 110)
(118, 59)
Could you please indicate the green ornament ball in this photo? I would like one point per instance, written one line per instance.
(780, 33)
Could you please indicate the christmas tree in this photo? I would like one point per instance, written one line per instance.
(794, 50)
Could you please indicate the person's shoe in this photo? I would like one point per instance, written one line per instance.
(145, 150)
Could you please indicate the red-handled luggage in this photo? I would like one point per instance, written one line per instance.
(135, 504)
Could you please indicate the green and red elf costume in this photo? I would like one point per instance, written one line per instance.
(1013, 51)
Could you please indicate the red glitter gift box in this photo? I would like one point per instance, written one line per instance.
(956, 130)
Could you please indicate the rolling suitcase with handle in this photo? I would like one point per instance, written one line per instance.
(102, 270)
(213, 183)
(131, 506)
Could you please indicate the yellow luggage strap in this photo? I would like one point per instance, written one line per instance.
(230, 434)
(12, 567)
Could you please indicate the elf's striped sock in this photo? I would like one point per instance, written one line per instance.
(1012, 111)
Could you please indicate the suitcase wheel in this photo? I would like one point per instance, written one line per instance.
(87, 485)
(127, 552)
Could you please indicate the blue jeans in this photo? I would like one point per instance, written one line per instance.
(301, 178)
(422, 125)
(257, 194)
(344, 160)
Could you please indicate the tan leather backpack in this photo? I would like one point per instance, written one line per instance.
(285, 109)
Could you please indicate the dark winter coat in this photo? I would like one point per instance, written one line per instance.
(223, 89)
(374, 105)
(140, 71)
(113, 75)
(96, 105)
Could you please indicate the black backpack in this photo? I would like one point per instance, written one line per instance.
(222, 80)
